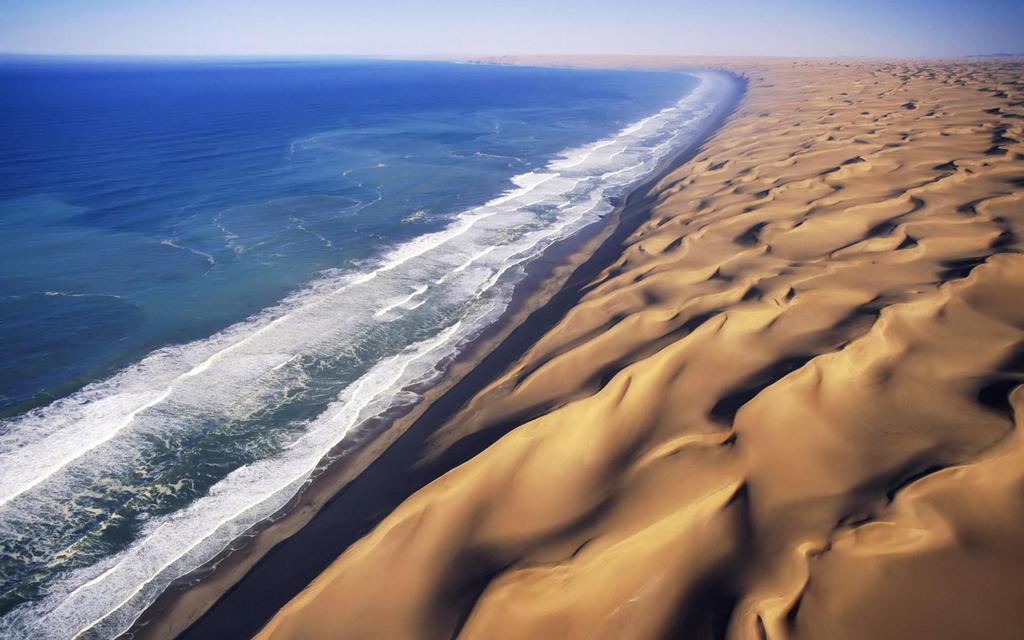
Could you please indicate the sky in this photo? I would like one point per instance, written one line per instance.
(467, 27)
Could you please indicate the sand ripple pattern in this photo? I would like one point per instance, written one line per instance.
(791, 409)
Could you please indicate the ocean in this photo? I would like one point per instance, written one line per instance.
(215, 272)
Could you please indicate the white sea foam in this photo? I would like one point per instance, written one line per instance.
(415, 216)
(459, 278)
(202, 254)
(71, 294)
(400, 303)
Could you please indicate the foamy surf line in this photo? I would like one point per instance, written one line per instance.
(460, 279)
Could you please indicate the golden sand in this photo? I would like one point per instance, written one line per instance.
(790, 409)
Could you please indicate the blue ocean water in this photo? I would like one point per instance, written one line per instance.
(213, 272)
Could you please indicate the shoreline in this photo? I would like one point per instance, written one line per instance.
(246, 584)
(792, 406)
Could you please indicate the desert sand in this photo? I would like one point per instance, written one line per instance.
(790, 409)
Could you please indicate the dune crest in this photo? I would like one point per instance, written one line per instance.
(791, 409)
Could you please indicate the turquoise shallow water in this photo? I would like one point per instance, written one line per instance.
(148, 204)
(212, 273)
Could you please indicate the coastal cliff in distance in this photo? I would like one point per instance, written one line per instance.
(790, 409)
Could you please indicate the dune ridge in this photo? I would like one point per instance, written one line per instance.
(790, 409)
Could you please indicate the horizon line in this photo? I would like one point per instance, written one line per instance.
(481, 56)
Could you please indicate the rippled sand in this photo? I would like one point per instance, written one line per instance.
(790, 409)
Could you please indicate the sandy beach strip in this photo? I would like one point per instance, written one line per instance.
(790, 406)
(247, 583)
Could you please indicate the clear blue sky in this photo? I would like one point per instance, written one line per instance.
(272, 27)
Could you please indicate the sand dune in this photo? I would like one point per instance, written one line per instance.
(791, 409)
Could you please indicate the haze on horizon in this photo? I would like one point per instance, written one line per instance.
(459, 27)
